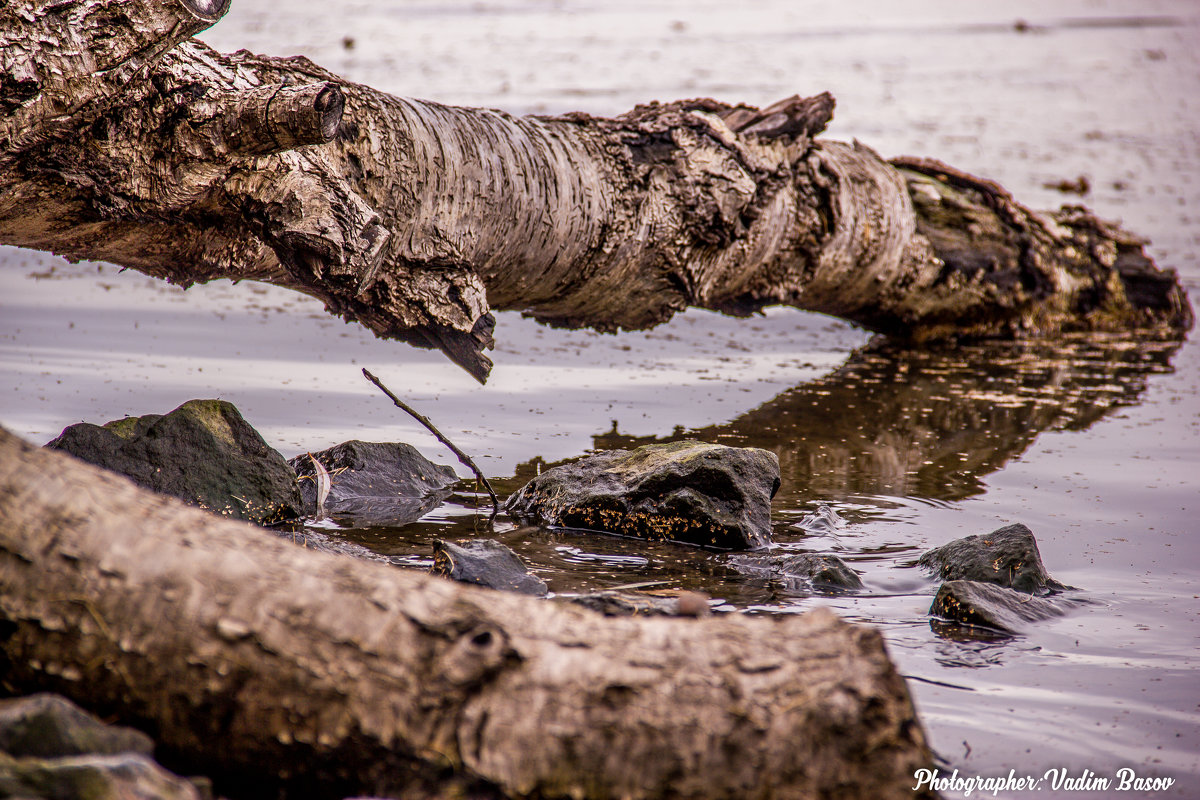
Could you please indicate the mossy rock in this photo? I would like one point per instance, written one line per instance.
(49, 726)
(705, 494)
(92, 777)
(203, 453)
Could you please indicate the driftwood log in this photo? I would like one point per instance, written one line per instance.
(255, 656)
(121, 139)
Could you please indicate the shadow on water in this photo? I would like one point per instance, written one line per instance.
(892, 424)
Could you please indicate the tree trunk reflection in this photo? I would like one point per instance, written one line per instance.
(931, 422)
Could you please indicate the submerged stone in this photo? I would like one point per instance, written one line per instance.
(1006, 557)
(705, 494)
(203, 453)
(485, 562)
(993, 606)
(798, 572)
(638, 604)
(375, 483)
(49, 726)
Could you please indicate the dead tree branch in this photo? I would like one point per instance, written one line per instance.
(465, 459)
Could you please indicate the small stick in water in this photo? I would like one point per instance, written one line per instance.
(463, 457)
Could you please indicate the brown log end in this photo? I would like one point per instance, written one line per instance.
(273, 119)
(793, 117)
(466, 349)
(981, 235)
(1149, 296)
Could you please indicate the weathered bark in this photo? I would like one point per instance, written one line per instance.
(124, 144)
(250, 652)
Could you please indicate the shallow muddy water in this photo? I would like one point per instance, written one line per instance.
(1093, 442)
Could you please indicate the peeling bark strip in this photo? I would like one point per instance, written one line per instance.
(249, 652)
(122, 141)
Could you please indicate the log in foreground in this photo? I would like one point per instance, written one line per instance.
(122, 141)
(250, 653)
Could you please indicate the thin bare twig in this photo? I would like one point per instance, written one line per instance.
(463, 457)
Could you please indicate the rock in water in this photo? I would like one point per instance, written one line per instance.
(124, 776)
(799, 572)
(375, 483)
(1006, 557)
(49, 726)
(705, 494)
(203, 452)
(486, 563)
(991, 606)
(49, 747)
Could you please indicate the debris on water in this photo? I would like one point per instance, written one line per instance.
(323, 484)
(822, 521)
(575, 555)
(1079, 186)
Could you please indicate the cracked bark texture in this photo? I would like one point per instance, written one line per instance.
(257, 657)
(122, 140)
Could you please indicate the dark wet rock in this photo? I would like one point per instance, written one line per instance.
(203, 452)
(993, 606)
(48, 725)
(487, 563)
(801, 573)
(1006, 557)
(638, 604)
(375, 483)
(91, 777)
(51, 748)
(705, 494)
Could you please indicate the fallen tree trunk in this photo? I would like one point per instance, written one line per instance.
(251, 653)
(123, 141)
